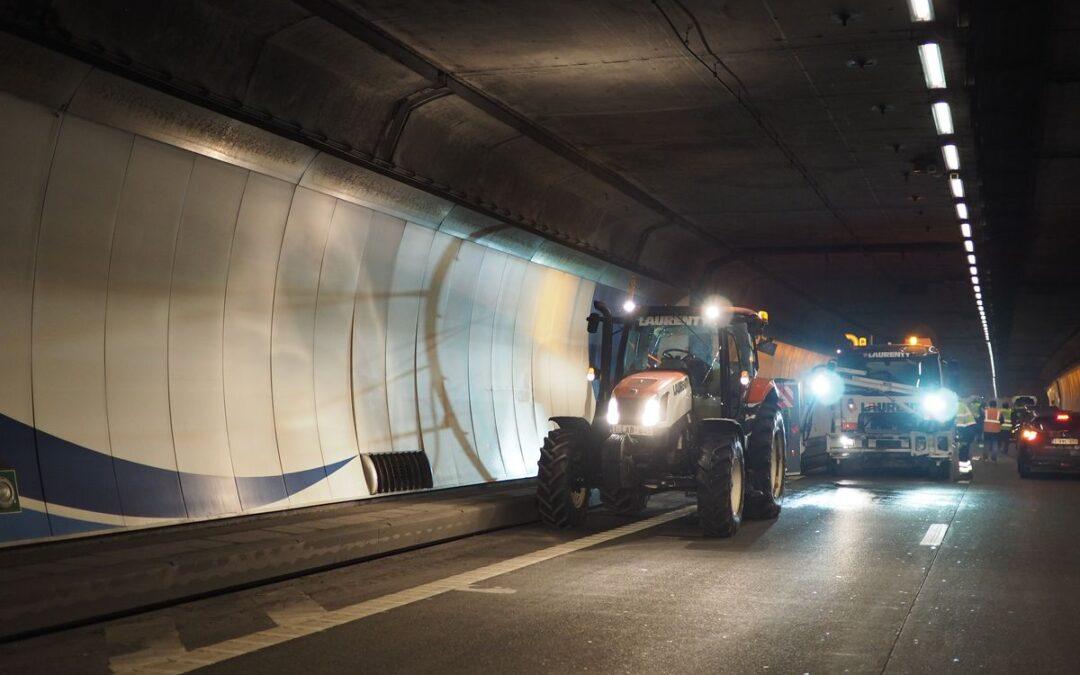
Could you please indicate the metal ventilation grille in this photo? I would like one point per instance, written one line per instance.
(388, 472)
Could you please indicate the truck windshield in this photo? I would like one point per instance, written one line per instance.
(898, 368)
(682, 346)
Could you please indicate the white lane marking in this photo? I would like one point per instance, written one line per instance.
(309, 625)
(934, 535)
(494, 590)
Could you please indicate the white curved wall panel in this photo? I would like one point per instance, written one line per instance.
(196, 325)
(529, 438)
(249, 308)
(186, 339)
(481, 369)
(27, 140)
(502, 367)
(137, 327)
(369, 331)
(334, 309)
(293, 343)
(70, 291)
(402, 317)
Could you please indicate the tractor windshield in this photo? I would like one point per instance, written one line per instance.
(673, 343)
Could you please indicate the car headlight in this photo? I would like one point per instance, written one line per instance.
(650, 414)
(940, 405)
(613, 411)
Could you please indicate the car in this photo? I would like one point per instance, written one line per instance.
(1049, 442)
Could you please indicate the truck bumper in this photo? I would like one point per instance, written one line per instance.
(875, 450)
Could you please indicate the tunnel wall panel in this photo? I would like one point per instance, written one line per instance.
(191, 339)
(137, 329)
(246, 367)
(70, 291)
(334, 310)
(27, 140)
(293, 342)
(196, 326)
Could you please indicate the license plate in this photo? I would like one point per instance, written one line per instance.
(1064, 441)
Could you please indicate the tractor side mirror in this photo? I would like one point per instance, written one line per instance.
(593, 323)
(767, 347)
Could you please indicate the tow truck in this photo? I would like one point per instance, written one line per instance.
(882, 406)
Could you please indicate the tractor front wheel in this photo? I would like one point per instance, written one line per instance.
(625, 501)
(720, 485)
(562, 495)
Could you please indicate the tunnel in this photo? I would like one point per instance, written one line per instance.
(467, 335)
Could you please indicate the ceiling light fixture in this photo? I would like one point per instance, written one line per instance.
(942, 118)
(932, 65)
(974, 280)
(921, 10)
(952, 157)
(957, 187)
(965, 229)
(971, 259)
(969, 246)
(961, 211)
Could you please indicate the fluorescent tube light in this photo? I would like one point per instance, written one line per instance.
(952, 157)
(921, 10)
(969, 246)
(965, 229)
(957, 187)
(961, 211)
(971, 259)
(942, 117)
(932, 66)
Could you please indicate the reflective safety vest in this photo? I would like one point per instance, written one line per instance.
(964, 416)
(1006, 420)
(992, 421)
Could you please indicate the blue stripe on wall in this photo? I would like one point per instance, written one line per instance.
(82, 478)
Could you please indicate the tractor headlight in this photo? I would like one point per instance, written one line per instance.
(940, 405)
(613, 411)
(650, 414)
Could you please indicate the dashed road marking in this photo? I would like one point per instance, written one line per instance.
(935, 534)
(302, 624)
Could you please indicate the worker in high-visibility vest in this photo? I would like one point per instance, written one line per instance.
(1006, 426)
(991, 431)
(966, 430)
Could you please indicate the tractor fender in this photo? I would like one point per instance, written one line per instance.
(571, 423)
(762, 390)
(724, 426)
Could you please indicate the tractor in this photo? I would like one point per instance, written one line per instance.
(679, 406)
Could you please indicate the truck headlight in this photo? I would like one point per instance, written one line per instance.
(826, 386)
(613, 411)
(847, 442)
(650, 414)
(940, 405)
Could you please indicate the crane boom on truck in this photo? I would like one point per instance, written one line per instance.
(882, 406)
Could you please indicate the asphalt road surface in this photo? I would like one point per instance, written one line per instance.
(867, 574)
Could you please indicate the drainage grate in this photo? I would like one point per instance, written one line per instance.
(388, 472)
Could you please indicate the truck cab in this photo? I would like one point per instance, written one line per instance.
(884, 406)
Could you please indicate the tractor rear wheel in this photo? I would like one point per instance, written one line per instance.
(625, 501)
(562, 495)
(765, 463)
(720, 484)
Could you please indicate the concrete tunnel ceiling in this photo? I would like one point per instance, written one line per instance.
(795, 167)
